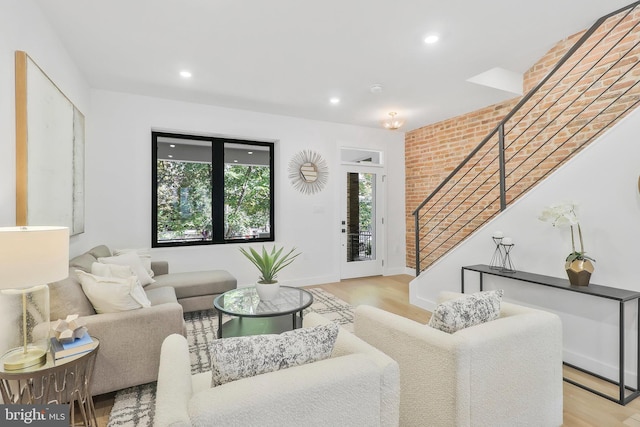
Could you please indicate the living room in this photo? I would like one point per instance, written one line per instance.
(118, 196)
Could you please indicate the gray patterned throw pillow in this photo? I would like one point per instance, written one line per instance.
(241, 357)
(468, 310)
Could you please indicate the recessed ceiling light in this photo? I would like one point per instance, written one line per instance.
(249, 152)
(334, 100)
(170, 156)
(235, 161)
(431, 39)
(185, 74)
(172, 145)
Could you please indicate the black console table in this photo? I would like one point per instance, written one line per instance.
(620, 295)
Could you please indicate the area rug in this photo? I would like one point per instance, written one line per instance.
(135, 406)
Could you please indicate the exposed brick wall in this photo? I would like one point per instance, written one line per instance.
(587, 95)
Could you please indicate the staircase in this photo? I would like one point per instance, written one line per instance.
(594, 84)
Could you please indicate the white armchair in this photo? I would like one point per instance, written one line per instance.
(507, 372)
(357, 386)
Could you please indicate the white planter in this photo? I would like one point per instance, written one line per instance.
(267, 291)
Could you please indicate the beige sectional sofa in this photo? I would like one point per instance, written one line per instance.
(195, 290)
(130, 341)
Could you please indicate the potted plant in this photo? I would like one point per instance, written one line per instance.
(578, 265)
(269, 263)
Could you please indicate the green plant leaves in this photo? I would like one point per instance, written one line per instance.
(578, 256)
(269, 263)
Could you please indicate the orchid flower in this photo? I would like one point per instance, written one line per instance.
(562, 215)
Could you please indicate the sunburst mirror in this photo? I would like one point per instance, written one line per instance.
(308, 172)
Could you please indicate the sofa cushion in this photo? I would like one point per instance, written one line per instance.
(110, 294)
(196, 283)
(159, 296)
(132, 260)
(99, 251)
(121, 272)
(82, 262)
(159, 267)
(241, 357)
(67, 297)
(468, 310)
(143, 253)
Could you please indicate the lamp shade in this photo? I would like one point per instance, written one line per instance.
(33, 255)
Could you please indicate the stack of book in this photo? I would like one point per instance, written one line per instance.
(77, 346)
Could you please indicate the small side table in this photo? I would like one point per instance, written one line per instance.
(57, 381)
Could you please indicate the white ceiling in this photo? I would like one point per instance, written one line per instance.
(290, 56)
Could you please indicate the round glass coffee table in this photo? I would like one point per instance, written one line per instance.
(255, 317)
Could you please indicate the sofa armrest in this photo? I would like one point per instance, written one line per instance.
(434, 371)
(347, 343)
(130, 344)
(336, 391)
(174, 383)
(521, 350)
(438, 370)
(159, 267)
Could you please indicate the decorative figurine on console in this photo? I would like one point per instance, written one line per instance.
(507, 264)
(498, 257)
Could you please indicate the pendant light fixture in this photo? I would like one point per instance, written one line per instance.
(393, 123)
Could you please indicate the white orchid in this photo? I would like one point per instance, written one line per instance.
(563, 215)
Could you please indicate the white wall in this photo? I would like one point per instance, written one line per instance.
(118, 163)
(603, 181)
(23, 27)
(118, 180)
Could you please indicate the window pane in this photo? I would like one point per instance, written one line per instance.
(247, 191)
(184, 190)
(361, 216)
(210, 190)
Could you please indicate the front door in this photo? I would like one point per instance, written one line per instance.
(362, 221)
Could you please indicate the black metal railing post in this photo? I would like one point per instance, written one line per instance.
(417, 231)
(501, 166)
(517, 148)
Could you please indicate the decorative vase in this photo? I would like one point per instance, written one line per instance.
(579, 271)
(267, 291)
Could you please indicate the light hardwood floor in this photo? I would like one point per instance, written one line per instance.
(391, 293)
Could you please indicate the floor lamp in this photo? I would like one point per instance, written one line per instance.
(30, 257)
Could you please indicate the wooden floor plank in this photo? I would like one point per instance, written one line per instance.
(391, 293)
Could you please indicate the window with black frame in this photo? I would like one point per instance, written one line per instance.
(209, 190)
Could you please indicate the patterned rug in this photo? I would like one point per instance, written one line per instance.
(135, 406)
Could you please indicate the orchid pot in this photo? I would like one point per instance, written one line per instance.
(578, 265)
(579, 271)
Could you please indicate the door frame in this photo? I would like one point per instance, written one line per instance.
(381, 206)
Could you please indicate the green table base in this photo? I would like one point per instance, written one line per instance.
(243, 326)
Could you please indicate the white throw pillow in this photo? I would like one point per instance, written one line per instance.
(122, 272)
(241, 357)
(133, 261)
(468, 310)
(143, 253)
(109, 294)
